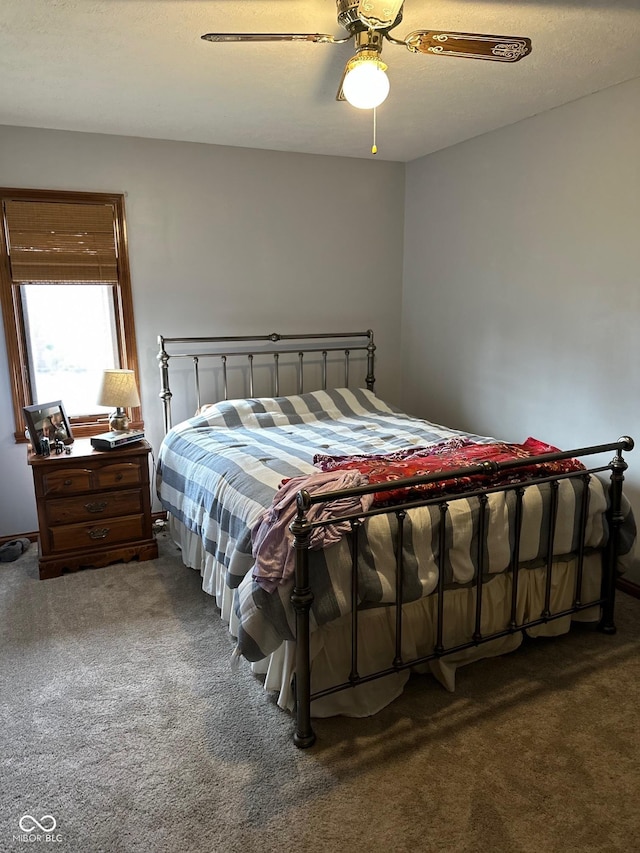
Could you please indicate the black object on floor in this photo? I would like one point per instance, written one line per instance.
(13, 549)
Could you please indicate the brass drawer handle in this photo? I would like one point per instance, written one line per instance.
(68, 482)
(118, 477)
(96, 506)
(99, 533)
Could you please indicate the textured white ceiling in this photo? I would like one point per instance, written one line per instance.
(140, 68)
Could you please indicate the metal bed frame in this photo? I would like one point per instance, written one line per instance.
(302, 596)
(272, 347)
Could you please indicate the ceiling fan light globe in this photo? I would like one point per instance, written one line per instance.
(366, 85)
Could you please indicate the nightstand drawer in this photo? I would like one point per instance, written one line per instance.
(71, 537)
(66, 482)
(94, 506)
(120, 474)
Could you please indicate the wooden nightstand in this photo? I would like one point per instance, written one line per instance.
(94, 507)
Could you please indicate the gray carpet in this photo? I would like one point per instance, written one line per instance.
(122, 719)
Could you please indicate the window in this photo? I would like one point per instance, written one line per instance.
(66, 301)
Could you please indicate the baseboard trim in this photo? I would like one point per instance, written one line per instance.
(32, 537)
(629, 587)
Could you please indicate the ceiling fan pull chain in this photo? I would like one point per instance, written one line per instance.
(374, 147)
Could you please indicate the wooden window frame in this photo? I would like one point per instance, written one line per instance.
(13, 319)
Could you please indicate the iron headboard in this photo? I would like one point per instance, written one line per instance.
(224, 348)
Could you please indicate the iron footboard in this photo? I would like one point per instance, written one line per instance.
(302, 596)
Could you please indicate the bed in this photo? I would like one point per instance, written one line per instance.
(348, 544)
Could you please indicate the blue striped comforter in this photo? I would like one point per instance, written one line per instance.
(218, 472)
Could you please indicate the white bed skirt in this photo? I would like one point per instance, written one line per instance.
(331, 644)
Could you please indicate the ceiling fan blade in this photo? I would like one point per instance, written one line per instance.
(323, 38)
(378, 14)
(469, 45)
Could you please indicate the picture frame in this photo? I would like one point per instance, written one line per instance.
(47, 421)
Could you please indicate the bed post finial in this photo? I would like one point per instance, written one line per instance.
(301, 599)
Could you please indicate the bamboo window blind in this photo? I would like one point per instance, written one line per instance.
(61, 242)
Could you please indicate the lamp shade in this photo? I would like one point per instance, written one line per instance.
(118, 389)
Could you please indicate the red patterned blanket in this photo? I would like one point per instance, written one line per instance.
(444, 457)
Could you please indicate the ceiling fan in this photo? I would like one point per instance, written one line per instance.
(364, 83)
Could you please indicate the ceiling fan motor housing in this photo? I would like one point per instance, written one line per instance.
(349, 18)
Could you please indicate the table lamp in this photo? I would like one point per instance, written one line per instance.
(119, 389)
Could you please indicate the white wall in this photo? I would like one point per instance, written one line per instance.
(521, 311)
(224, 241)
